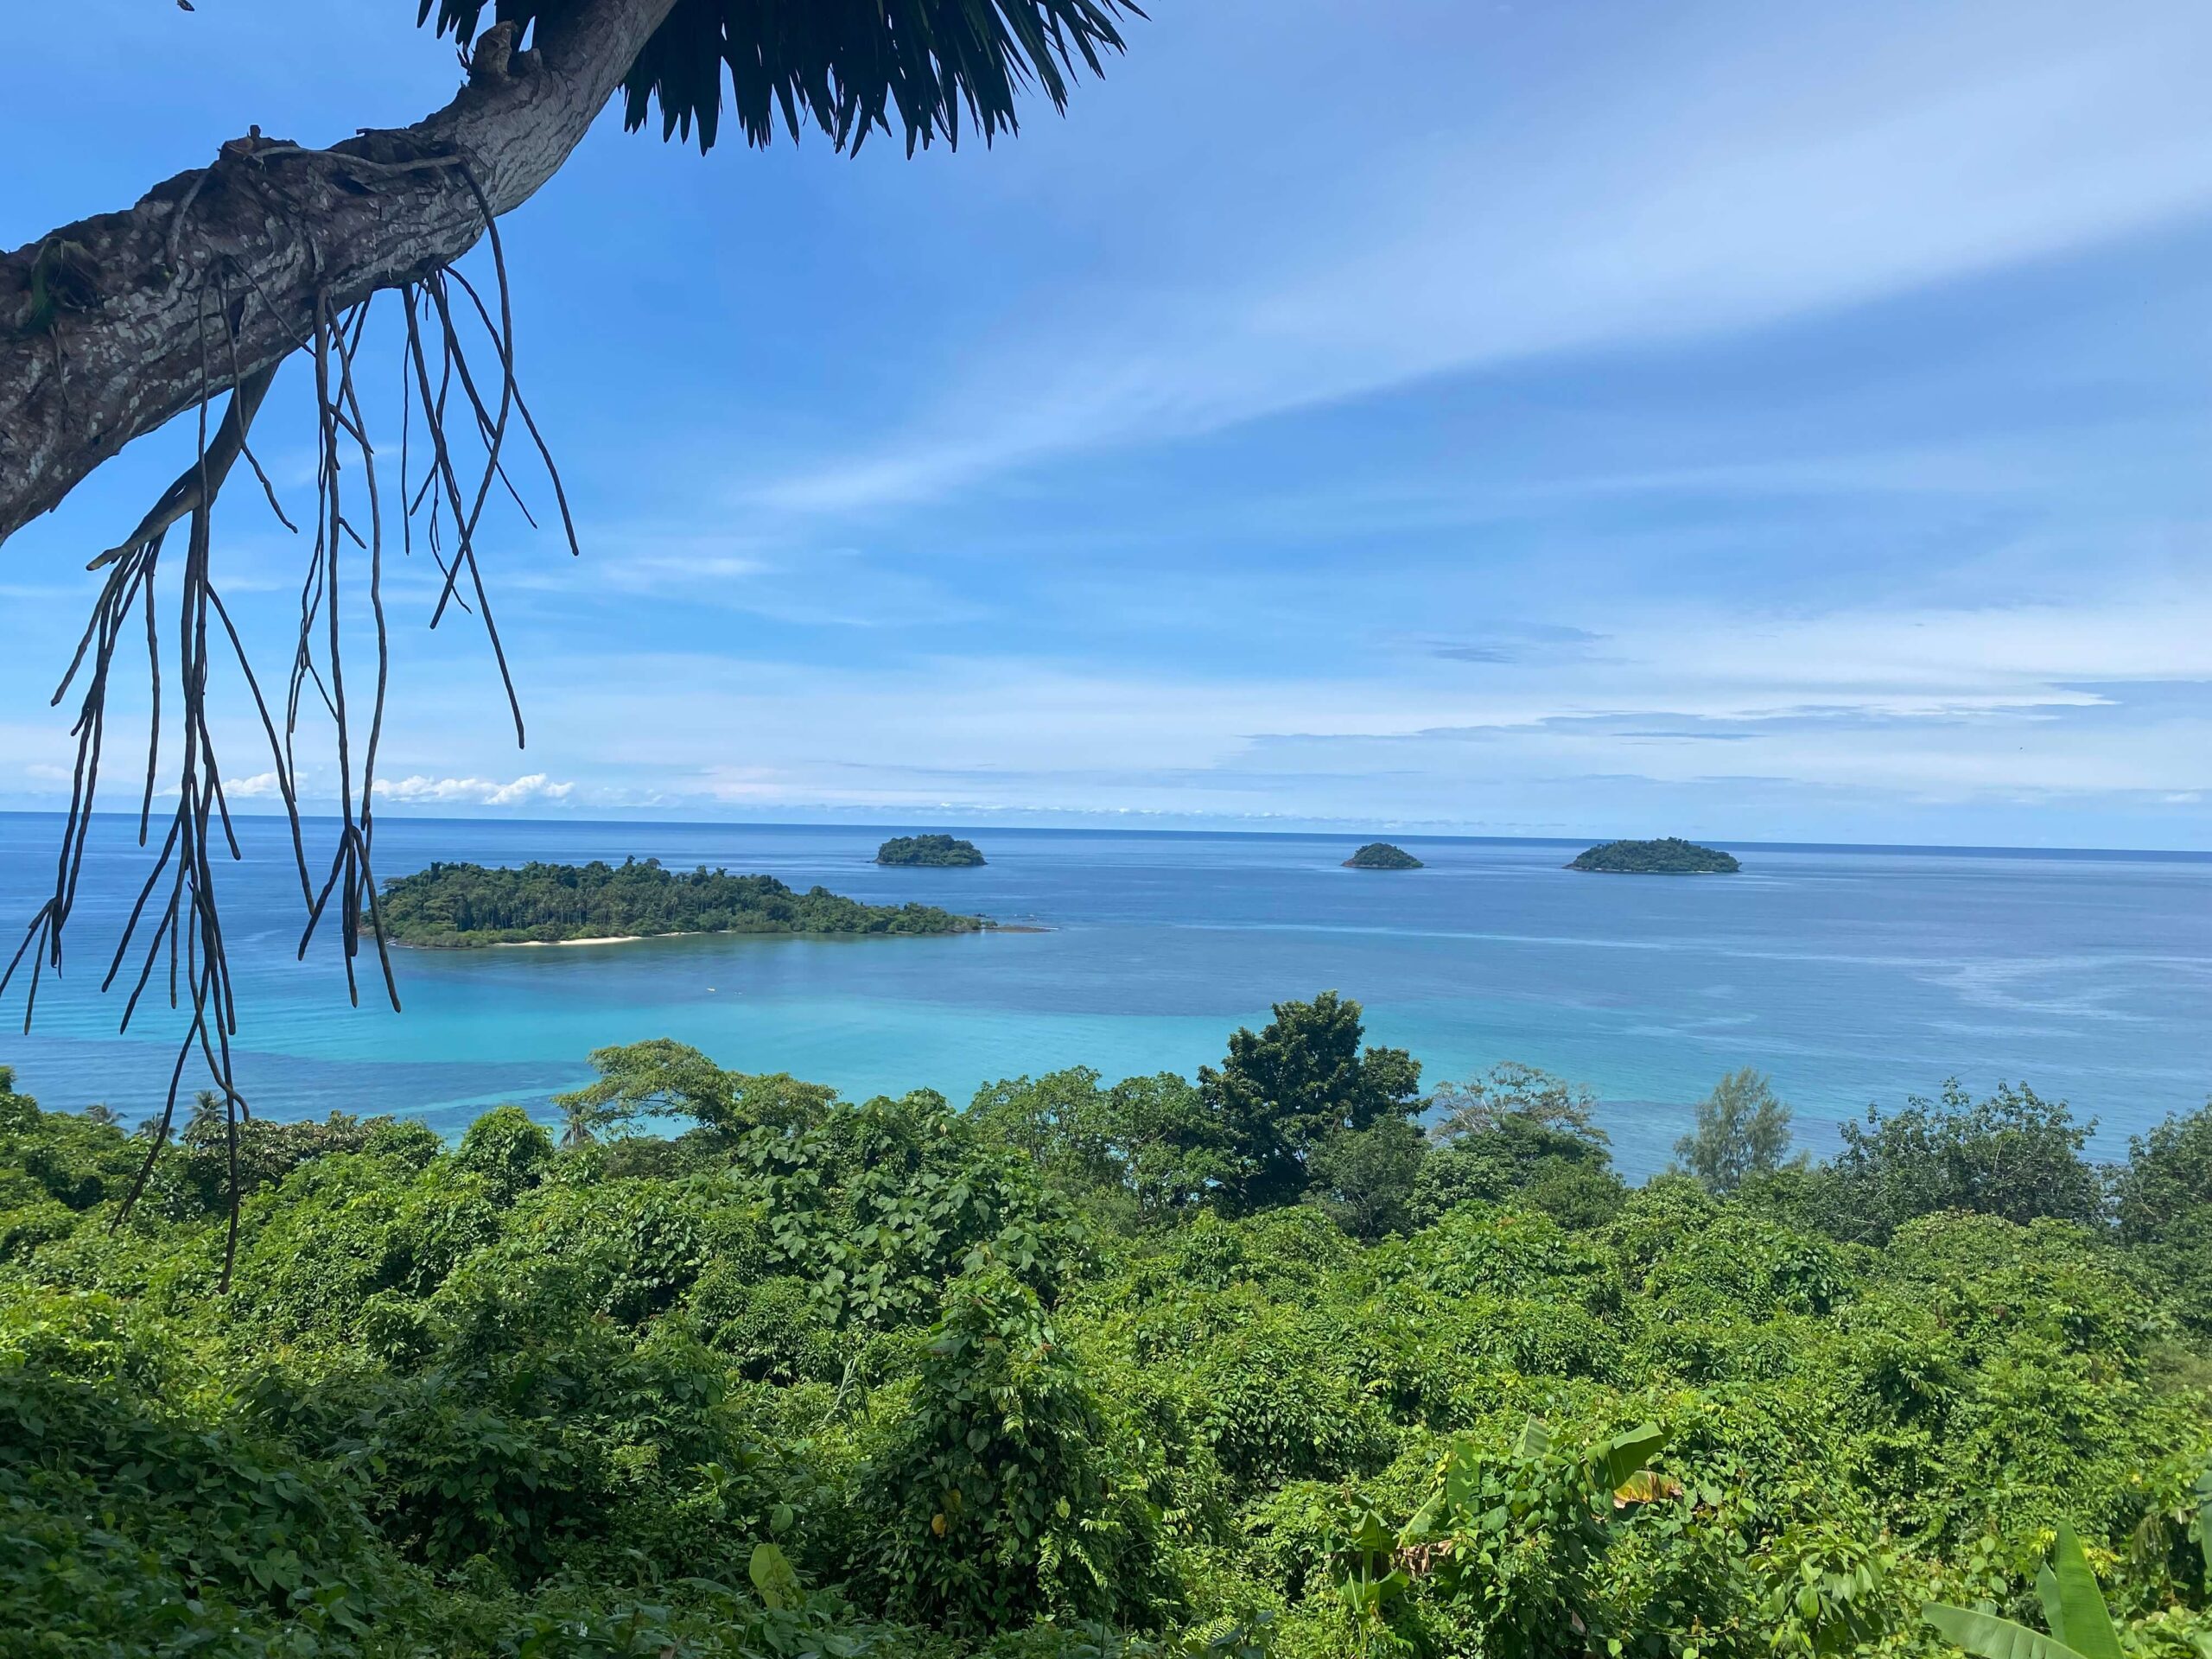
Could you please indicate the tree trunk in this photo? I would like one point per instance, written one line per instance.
(113, 325)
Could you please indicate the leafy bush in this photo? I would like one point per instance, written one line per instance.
(508, 1150)
(1365, 1178)
(73, 1161)
(2163, 1202)
(1008, 1496)
(1742, 1130)
(815, 1377)
(1516, 1130)
(128, 1525)
(2014, 1155)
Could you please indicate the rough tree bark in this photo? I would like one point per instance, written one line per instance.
(108, 327)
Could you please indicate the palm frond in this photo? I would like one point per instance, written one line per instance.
(847, 66)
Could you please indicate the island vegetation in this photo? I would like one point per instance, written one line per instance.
(929, 852)
(465, 904)
(1381, 855)
(1670, 855)
(1300, 1357)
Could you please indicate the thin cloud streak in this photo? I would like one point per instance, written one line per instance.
(1961, 703)
(475, 792)
(1721, 208)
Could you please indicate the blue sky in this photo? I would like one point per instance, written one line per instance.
(1741, 421)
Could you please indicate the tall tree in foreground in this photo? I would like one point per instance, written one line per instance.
(1742, 1129)
(191, 298)
(1517, 1131)
(1284, 1092)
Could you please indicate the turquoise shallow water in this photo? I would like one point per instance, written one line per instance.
(1852, 975)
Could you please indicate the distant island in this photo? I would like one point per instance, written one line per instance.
(1669, 856)
(929, 852)
(457, 906)
(1381, 855)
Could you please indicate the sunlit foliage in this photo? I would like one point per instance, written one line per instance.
(754, 1370)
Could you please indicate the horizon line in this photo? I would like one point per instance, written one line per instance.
(2189, 854)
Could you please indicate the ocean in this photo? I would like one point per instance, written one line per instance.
(1850, 975)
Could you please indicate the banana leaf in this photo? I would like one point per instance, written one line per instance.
(2054, 1611)
(2083, 1624)
(1987, 1636)
(1625, 1454)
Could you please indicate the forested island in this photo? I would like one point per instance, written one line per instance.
(929, 852)
(1253, 1365)
(457, 906)
(1381, 855)
(1669, 856)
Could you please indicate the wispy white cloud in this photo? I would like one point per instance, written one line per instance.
(1476, 720)
(1718, 184)
(652, 560)
(1984, 703)
(801, 584)
(473, 792)
(416, 789)
(1505, 642)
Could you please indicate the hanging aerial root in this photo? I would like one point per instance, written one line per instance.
(176, 919)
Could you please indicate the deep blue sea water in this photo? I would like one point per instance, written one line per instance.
(1851, 974)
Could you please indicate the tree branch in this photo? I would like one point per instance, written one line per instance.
(101, 322)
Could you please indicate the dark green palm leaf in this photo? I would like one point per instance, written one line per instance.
(850, 66)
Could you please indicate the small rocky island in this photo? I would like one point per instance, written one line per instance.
(1381, 855)
(1669, 856)
(929, 852)
(457, 906)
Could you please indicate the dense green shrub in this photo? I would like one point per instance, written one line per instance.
(1004, 1491)
(1517, 1132)
(1365, 1178)
(1742, 1130)
(508, 1150)
(2163, 1203)
(2014, 1155)
(814, 1377)
(1141, 1153)
(132, 1523)
(73, 1160)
